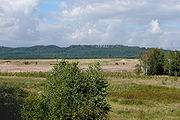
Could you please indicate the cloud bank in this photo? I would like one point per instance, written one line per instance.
(145, 23)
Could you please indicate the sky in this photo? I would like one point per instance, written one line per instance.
(143, 23)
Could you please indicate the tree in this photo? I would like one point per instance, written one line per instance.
(152, 61)
(172, 63)
(72, 95)
(138, 69)
(54, 56)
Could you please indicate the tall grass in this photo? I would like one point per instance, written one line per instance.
(25, 74)
(147, 92)
(132, 75)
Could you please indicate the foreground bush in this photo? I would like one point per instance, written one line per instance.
(71, 94)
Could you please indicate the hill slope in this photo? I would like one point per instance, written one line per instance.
(74, 51)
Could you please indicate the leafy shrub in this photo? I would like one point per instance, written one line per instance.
(116, 63)
(138, 70)
(26, 63)
(11, 100)
(35, 107)
(71, 94)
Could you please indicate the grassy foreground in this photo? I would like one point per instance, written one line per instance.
(131, 96)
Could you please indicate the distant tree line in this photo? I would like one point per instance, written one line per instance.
(74, 51)
(157, 62)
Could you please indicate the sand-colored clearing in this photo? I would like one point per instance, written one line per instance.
(45, 65)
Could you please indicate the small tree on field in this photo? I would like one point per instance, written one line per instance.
(72, 95)
(54, 56)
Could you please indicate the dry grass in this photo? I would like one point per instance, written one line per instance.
(144, 98)
(154, 81)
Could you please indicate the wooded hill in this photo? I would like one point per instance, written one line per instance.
(74, 51)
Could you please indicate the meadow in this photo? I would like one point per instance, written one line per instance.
(131, 96)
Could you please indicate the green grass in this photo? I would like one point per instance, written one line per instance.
(146, 92)
(144, 97)
(130, 75)
(107, 74)
(131, 96)
(26, 83)
(25, 74)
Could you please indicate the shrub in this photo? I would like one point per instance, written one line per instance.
(71, 94)
(11, 100)
(138, 69)
(116, 63)
(26, 63)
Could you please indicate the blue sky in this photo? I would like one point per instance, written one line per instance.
(47, 6)
(144, 23)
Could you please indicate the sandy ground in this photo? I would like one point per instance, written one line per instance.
(108, 65)
(24, 68)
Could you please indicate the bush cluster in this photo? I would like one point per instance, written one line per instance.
(71, 95)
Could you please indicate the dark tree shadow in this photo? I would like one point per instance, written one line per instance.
(11, 101)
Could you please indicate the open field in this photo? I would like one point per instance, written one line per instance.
(132, 97)
(108, 65)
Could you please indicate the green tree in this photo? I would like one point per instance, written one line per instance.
(71, 95)
(152, 61)
(138, 69)
(54, 56)
(172, 63)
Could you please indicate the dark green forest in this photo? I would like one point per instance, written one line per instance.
(74, 51)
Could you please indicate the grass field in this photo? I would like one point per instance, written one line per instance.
(132, 97)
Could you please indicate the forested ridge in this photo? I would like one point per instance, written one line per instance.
(73, 51)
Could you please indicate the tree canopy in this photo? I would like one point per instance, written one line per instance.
(152, 61)
(155, 62)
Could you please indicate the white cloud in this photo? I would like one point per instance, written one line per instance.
(117, 14)
(155, 28)
(18, 25)
(92, 22)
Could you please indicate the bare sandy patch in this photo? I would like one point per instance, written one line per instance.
(46, 65)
